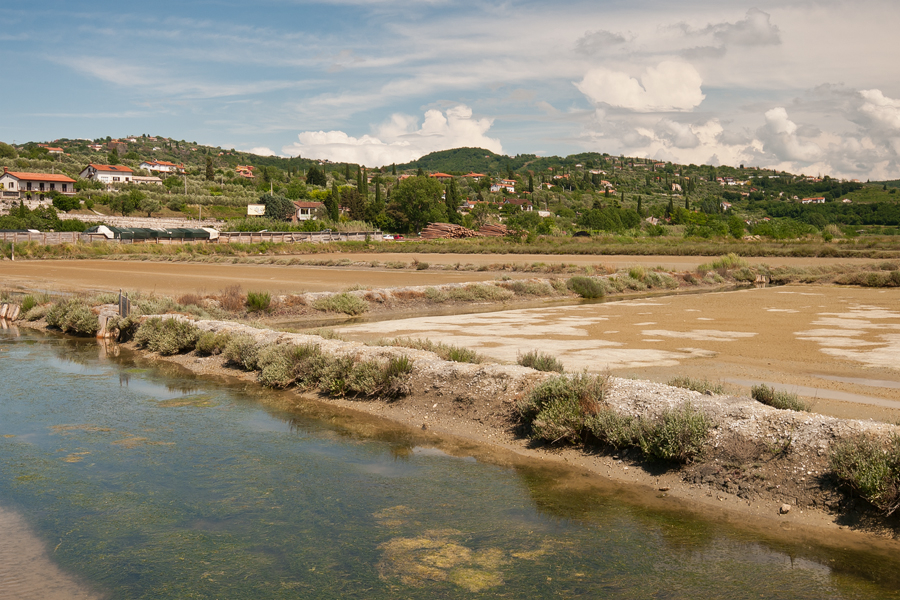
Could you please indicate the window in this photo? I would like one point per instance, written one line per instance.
(12, 185)
(64, 187)
(42, 186)
(28, 186)
(52, 186)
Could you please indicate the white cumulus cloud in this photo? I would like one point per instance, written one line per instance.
(400, 139)
(780, 137)
(670, 86)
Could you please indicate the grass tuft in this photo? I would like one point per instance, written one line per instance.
(342, 303)
(781, 400)
(697, 385)
(540, 361)
(258, 301)
(167, 336)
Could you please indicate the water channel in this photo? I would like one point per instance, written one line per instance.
(142, 482)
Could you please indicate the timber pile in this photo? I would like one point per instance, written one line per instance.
(493, 230)
(446, 230)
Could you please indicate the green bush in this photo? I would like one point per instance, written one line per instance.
(698, 385)
(781, 400)
(586, 287)
(28, 302)
(342, 303)
(212, 343)
(480, 291)
(528, 288)
(660, 280)
(540, 361)
(242, 350)
(728, 262)
(637, 272)
(678, 434)
(744, 274)
(258, 301)
(559, 408)
(871, 467)
(167, 336)
(73, 316)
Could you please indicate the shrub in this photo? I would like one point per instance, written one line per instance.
(436, 295)
(540, 361)
(191, 299)
(678, 434)
(660, 280)
(613, 429)
(744, 274)
(232, 299)
(697, 385)
(211, 343)
(781, 400)
(38, 312)
(728, 262)
(242, 350)
(586, 287)
(28, 302)
(342, 303)
(528, 288)
(871, 467)
(258, 301)
(167, 336)
(559, 408)
(73, 316)
(421, 266)
(480, 291)
(637, 272)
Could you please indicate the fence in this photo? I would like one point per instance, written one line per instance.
(226, 237)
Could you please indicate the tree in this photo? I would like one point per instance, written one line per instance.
(332, 205)
(65, 203)
(113, 157)
(126, 202)
(316, 177)
(417, 201)
(210, 171)
(355, 203)
(451, 200)
(531, 183)
(639, 210)
(171, 182)
(149, 205)
(277, 207)
(7, 151)
(393, 168)
(484, 213)
(375, 209)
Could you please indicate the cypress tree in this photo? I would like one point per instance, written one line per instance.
(687, 202)
(670, 208)
(639, 210)
(393, 168)
(530, 183)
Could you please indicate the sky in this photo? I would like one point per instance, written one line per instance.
(808, 86)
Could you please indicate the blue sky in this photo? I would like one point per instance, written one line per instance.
(807, 86)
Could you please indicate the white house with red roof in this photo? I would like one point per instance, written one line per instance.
(474, 176)
(17, 184)
(442, 177)
(161, 166)
(108, 174)
(307, 211)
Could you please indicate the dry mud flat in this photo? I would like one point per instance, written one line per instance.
(760, 462)
(837, 346)
(176, 278)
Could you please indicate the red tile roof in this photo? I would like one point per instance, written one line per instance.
(111, 168)
(301, 204)
(39, 176)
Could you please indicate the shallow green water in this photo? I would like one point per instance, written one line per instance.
(153, 484)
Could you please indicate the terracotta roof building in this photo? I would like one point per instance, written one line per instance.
(16, 184)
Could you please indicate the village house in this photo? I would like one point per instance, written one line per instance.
(161, 166)
(307, 211)
(108, 174)
(95, 147)
(474, 176)
(496, 187)
(245, 171)
(442, 177)
(820, 200)
(522, 204)
(17, 184)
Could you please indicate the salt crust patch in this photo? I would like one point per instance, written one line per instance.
(700, 335)
(844, 340)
